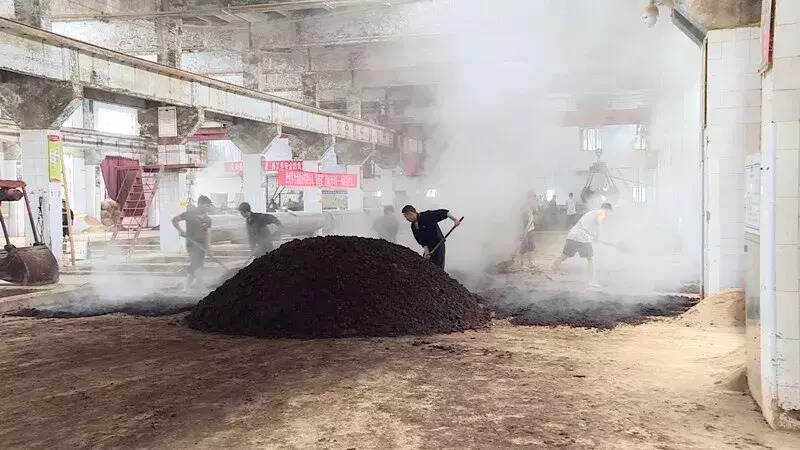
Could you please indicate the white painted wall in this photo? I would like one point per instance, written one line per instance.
(780, 322)
(733, 95)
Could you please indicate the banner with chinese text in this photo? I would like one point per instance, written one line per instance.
(54, 157)
(301, 178)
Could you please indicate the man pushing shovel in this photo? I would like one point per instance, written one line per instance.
(197, 230)
(425, 227)
(580, 238)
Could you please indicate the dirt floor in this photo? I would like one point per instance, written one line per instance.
(152, 382)
(125, 381)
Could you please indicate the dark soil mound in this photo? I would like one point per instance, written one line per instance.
(582, 308)
(337, 286)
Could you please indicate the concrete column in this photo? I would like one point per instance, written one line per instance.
(779, 327)
(172, 187)
(78, 189)
(168, 33)
(88, 114)
(354, 104)
(733, 131)
(93, 195)
(253, 74)
(254, 139)
(309, 85)
(386, 186)
(355, 196)
(171, 191)
(253, 179)
(312, 197)
(153, 218)
(92, 181)
(35, 13)
(44, 195)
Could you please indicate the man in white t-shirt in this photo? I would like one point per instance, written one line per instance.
(581, 236)
(572, 210)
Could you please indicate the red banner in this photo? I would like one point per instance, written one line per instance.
(290, 164)
(269, 166)
(300, 178)
(234, 166)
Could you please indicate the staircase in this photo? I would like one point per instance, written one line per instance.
(136, 193)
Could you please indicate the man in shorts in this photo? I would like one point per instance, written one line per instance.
(581, 236)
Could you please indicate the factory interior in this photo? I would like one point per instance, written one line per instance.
(373, 224)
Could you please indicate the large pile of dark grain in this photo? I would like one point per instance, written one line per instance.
(586, 309)
(337, 286)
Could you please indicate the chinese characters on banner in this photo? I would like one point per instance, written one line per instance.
(301, 178)
(234, 166)
(54, 157)
(269, 166)
(275, 166)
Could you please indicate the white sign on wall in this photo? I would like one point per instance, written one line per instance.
(167, 121)
(752, 194)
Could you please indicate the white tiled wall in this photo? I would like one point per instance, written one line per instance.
(733, 131)
(782, 105)
(35, 172)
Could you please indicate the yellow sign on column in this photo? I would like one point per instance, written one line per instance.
(54, 157)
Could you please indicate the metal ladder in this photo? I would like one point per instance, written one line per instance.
(141, 186)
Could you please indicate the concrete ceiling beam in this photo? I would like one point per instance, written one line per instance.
(37, 103)
(717, 14)
(189, 120)
(308, 146)
(252, 137)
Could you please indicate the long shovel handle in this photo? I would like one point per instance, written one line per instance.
(445, 237)
(207, 253)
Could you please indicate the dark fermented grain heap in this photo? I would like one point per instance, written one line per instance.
(338, 286)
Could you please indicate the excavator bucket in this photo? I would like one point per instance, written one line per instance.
(28, 266)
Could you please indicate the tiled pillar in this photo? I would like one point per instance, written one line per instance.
(312, 197)
(387, 187)
(77, 177)
(253, 179)
(732, 131)
(782, 106)
(44, 195)
(171, 189)
(94, 194)
(355, 196)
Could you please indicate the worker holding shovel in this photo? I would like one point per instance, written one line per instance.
(580, 238)
(425, 227)
(198, 225)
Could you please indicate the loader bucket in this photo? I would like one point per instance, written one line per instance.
(29, 266)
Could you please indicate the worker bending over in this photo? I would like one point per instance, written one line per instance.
(581, 236)
(197, 226)
(425, 227)
(260, 229)
(386, 225)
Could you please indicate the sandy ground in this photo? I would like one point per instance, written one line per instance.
(121, 381)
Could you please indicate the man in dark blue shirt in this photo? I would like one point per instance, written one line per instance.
(425, 226)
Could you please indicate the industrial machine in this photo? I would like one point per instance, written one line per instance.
(599, 184)
(28, 266)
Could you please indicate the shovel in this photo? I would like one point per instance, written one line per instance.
(436, 247)
(619, 246)
(213, 258)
